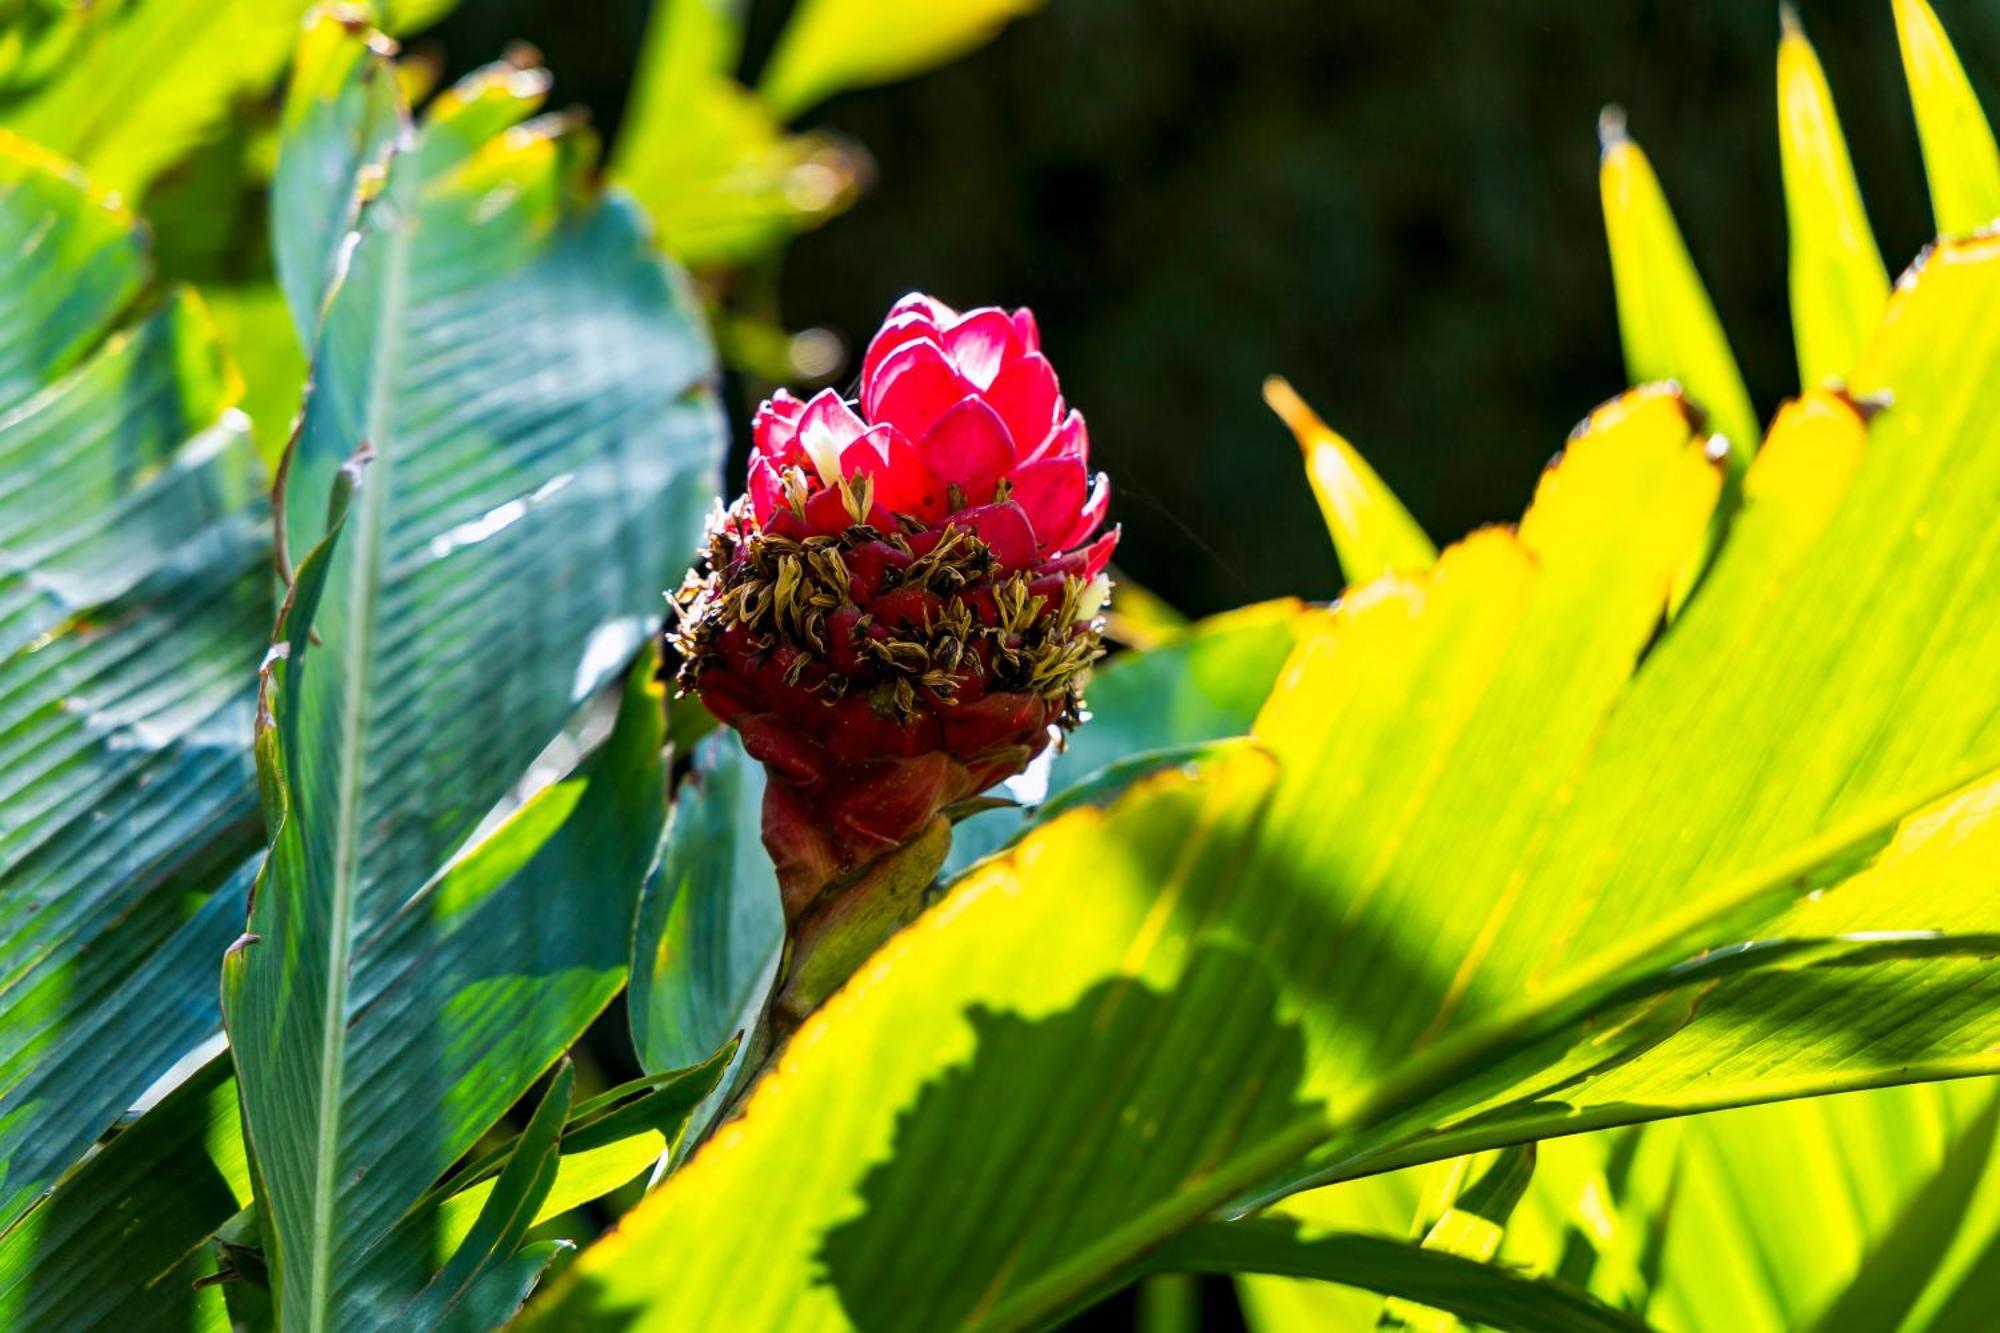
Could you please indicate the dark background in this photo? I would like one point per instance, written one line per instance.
(1394, 205)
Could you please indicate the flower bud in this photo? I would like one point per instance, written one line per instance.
(899, 611)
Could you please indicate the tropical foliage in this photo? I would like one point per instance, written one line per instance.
(1586, 926)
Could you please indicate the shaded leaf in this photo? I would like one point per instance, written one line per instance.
(1472, 1290)
(122, 1242)
(510, 1209)
(711, 928)
(134, 592)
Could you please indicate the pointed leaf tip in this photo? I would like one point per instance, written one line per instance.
(1611, 128)
(1666, 321)
(1373, 534)
(1838, 283)
(1961, 161)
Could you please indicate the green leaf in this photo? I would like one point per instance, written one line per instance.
(121, 1242)
(133, 86)
(453, 1007)
(255, 325)
(512, 1204)
(134, 592)
(149, 80)
(1838, 283)
(711, 928)
(1961, 161)
(1431, 1204)
(708, 159)
(1372, 533)
(508, 446)
(609, 1140)
(831, 45)
(1493, 881)
(1472, 1290)
(343, 113)
(1665, 320)
(1856, 1211)
(1204, 685)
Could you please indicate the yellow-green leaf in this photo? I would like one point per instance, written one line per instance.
(1665, 320)
(831, 45)
(1372, 533)
(1960, 159)
(710, 161)
(580, 1178)
(1838, 283)
(1514, 859)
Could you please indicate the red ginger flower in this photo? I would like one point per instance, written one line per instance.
(903, 605)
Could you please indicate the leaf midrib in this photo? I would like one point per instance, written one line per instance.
(362, 600)
(1482, 1046)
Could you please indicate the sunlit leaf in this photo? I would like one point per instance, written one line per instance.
(508, 1211)
(1372, 533)
(1865, 1210)
(1494, 879)
(1665, 320)
(1961, 161)
(1148, 709)
(135, 85)
(342, 114)
(830, 45)
(256, 327)
(134, 590)
(710, 161)
(148, 80)
(508, 443)
(1838, 284)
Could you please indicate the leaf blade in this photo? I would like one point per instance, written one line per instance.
(1666, 321)
(1961, 162)
(1839, 286)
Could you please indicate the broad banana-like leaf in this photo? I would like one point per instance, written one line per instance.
(1492, 879)
(833, 44)
(123, 1241)
(134, 591)
(1838, 284)
(1961, 161)
(343, 115)
(508, 445)
(1666, 322)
